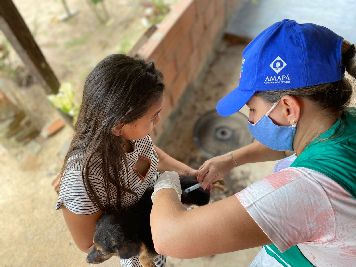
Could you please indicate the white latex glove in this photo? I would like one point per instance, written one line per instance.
(167, 180)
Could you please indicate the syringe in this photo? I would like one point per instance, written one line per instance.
(192, 188)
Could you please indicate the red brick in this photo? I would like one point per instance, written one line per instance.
(195, 64)
(188, 18)
(167, 67)
(179, 86)
(167, 32)
(171, 19)
(205, 46)
(180, 20)
(169, 72)
(171, 41)
(209, 14)
(153, 44)
(197, 31)
(5, 102)
(181, 6)
(201, 6)
(220, 10)
(174, 25)
(183, 51)
(214, 29)
(53, 127)
(157, 58)
(167, 107)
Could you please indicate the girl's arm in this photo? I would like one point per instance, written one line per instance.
(168, 163)
(220, 227)
(82, 228)
(216, 168)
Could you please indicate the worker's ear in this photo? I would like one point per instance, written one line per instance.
(117, 130)
(291, 106)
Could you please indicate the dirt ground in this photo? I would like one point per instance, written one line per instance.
(32, 232)
(74, 46)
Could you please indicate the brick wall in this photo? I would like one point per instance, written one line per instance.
(183, 43)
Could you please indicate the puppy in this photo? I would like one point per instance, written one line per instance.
(127, 233)
(198, 197)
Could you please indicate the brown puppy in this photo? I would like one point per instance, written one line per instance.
(127, 233)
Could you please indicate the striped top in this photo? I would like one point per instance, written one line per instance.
(141, 174)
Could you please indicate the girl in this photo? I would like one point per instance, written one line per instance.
(112, 160)
(293, 83)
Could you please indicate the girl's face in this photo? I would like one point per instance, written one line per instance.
(143, 126)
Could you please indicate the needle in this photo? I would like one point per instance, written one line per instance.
(192, 188)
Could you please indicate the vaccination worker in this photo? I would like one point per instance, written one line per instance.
(304, 214)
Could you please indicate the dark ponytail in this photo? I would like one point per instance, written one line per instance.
(333, 97)
(349, 58)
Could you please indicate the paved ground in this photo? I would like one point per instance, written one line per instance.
(255, 15)
(34, 234)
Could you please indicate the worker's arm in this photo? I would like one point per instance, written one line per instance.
(256, 152)
(82, 228)
(220, 227)
(217, 168)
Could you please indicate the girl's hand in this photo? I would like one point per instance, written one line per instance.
(215, 169)
(189, 172)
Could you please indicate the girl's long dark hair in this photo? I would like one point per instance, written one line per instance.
(120, 89)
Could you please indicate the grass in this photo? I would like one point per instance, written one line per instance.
(76, 41)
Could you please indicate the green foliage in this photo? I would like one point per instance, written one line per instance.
(95, 2)
(159, 10)
(4, 55)
(100, 11)
(64, 101)
(76, 41)
(125, 46)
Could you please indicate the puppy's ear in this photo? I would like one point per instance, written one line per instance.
(115, 248)
(129, 249)
(117, 242)
(115, 245)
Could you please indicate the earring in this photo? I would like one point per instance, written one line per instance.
(294, 122)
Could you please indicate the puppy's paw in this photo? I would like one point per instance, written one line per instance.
(146, 258)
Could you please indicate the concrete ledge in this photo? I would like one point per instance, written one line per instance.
(182, 44)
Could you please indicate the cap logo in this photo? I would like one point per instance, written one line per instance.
(278, 65)
(242, 67)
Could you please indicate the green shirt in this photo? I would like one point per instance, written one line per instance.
(333, 154)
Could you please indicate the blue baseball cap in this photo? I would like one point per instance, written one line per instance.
(286, 55)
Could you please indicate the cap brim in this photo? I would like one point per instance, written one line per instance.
(233, 102)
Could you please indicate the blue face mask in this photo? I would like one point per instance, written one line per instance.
(276, 137)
